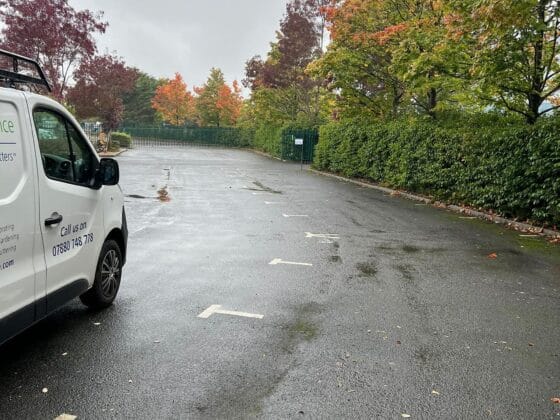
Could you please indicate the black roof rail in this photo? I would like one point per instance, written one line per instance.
(14, 76)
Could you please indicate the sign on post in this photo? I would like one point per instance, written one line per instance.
(299, 142)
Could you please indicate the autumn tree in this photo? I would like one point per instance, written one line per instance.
(218, 104)
(173, 101)
(229, 103)
(386, 55)
(280, 86)
(514, 49)
(101, 82)
(53, 33)
(356, 66)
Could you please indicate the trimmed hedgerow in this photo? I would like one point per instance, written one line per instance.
(123, 139)
(513, 169)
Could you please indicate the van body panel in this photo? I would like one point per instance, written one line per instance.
(71, 246)
(44, 264)
(21, 250)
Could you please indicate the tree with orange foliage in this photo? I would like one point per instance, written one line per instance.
(229, 102)
(173, 101)
(388, 55)
(218, 104)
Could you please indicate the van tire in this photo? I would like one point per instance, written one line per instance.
(107, 277)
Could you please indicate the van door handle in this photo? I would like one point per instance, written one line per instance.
(55, 219)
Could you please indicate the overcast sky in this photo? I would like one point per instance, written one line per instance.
(189, 36)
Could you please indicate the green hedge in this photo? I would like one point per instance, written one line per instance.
(124, 139)
(268, 138)
(114, 146)
(513, 169)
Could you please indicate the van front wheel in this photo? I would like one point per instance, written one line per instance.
(107, 278)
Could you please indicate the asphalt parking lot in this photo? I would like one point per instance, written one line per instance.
(254, 289)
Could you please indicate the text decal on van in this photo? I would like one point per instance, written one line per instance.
(7, 126)
(7, 131)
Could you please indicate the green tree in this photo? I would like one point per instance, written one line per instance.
(206, 102)
(514, 49)
(282, 91)
(138, 102)
(388, 55)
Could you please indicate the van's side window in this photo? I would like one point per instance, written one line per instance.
(82, 157)
(65, 155)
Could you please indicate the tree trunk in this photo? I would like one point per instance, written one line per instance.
(432, 102)
(535, 99)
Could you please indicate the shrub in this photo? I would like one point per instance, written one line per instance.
(114, 146)
(508, 167)
(124, 139)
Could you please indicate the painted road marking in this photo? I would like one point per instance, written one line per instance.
(277, 261)
(322, 235)
(217, 309)
(295, 215)
(271, 202)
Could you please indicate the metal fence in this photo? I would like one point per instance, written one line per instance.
(181, 136)
(93, 135)
(291, 151)
(157, 137)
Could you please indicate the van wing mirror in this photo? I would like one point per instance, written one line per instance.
(107, 173)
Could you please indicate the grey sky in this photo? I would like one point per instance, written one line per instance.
(189, 36)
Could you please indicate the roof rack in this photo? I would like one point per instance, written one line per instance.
(14, 76)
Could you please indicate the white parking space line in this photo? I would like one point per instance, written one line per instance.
(277, 261)
(295, 215)
(322, 235)
(217, 309)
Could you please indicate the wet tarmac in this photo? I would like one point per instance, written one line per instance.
(335, 301)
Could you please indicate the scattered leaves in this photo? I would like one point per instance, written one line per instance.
(66, 417)
(163, 194)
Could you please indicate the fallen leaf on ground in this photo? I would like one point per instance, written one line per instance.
(555, 400)
(531, 344)
(434, 392)
(66, 417)
(493, 256)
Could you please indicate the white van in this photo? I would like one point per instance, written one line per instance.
(63, 230)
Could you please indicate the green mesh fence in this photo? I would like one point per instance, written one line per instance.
(291, 151)
(207, 136)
